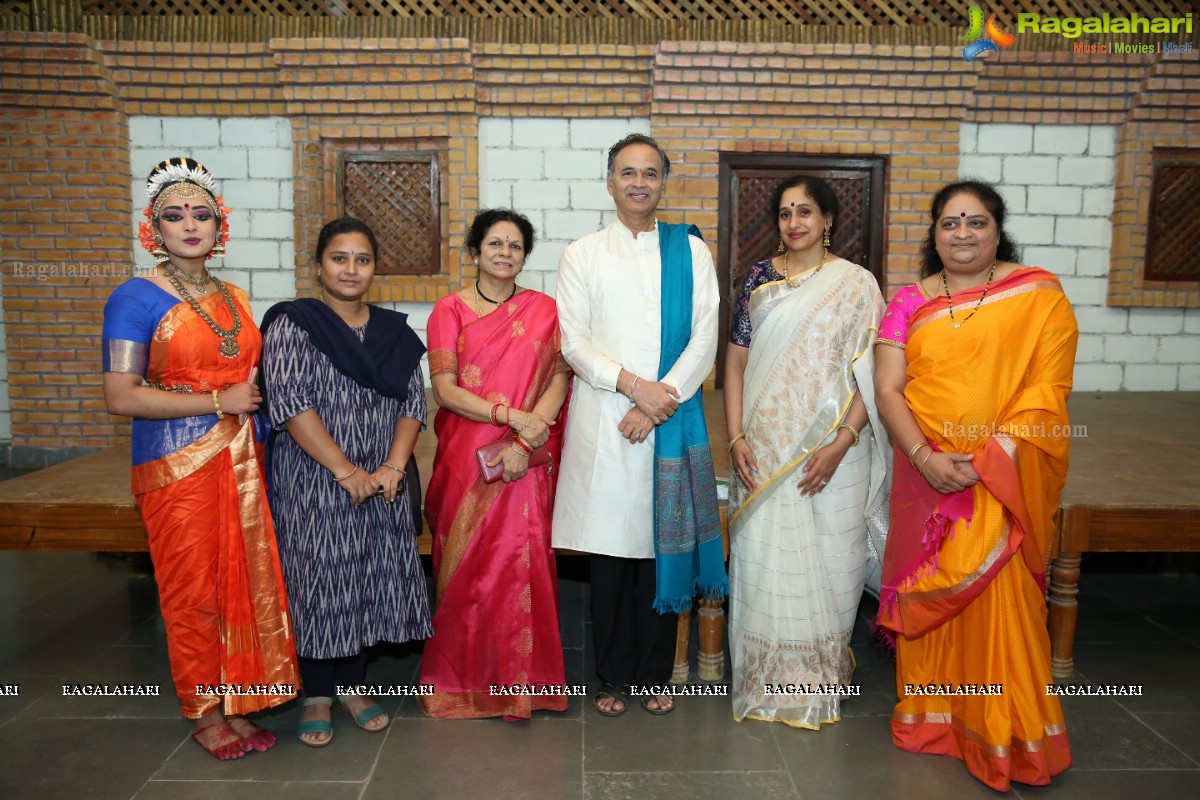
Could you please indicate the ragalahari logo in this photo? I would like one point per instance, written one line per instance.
(983, 37)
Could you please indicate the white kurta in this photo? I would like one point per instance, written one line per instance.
(609, 309)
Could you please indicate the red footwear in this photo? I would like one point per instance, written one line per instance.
(258, 738)
(227, 745)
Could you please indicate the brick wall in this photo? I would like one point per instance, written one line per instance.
(64, 167)
(527, 125)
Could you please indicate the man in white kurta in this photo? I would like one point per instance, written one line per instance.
(609, 305)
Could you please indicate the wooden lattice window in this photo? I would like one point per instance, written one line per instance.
(1173, 232)
(397, 194)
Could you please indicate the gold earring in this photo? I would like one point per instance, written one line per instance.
(781, 247)
(160, 251)
(218, 250)
(825, 241)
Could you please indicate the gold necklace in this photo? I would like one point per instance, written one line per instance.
(229, 347)
(950, 303)
(475, 302)
(788, 278)
(200, 283)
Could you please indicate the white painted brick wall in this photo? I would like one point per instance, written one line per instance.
(1057, 181)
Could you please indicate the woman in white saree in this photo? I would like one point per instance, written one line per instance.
(808, 497)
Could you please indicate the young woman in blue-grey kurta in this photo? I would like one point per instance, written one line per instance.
(353, 574)
(345, 393)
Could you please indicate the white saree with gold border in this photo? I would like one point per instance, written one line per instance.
(798, 564)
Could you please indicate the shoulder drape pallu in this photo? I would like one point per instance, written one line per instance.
(497, 595)
(199, 484)
(798, 564)
(964, 574)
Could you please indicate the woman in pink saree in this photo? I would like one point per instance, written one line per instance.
(496, 368)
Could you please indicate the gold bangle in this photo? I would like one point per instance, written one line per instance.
(217, 404)
(633, 386)
(518, 450)
(347, 475)
(393, 466)
(733, 441)
(850, 428)
(926, 458)
(913, 450)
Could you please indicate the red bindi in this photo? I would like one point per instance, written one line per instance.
(963, 214)
(187, 205)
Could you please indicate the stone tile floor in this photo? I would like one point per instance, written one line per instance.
(81, 617)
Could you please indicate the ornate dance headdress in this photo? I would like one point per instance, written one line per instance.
(180, 177)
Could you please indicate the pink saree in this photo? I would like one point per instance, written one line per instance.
(496, 623)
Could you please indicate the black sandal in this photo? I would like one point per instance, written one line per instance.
(610, 692)
(645, 700)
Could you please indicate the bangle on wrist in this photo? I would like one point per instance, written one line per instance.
(923, 460)
(632, 386)
(850, 428)
(912, 451)
(217, 404)
(525, 446)
(517, 449)
(495, 414)
(393, 466)
(528, 418)
(347, 475)
(733, 441)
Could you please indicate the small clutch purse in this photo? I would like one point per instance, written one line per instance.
(488, 453)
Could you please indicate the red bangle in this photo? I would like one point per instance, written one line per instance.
(495, 414)
(524, 445)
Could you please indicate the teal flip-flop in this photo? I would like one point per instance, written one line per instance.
(366, 715)
(316, 725)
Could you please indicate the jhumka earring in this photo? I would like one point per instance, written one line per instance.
(825, 241)
(218, 250)
(159, 252)
(782, 246)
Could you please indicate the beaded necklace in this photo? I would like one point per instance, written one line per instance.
(950, 303)
(229, 347)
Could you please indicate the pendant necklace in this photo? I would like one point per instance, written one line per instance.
(229, 347)
(955, 324)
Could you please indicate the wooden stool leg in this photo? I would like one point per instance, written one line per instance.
(683, 633)
(711, 666)
(1064, 610)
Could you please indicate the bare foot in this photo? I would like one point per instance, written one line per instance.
(256, 738)
(215, 735)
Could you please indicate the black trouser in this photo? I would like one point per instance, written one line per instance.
(321, 676)
(634, 644)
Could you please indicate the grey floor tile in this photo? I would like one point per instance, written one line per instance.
(1166, 672)
(692, 785)
(29, 690)
(1105, 736)
(856, 758)
(52, 759)
(249, 790)
(480, 758)
(54, 645)
(1115, 785)
(700, 731)
(1180, 728)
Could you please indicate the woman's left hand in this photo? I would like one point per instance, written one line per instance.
(536, 433)
(515, 464)
(390, 480)
(820, 468)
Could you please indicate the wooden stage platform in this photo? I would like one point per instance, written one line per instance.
(1133, 486)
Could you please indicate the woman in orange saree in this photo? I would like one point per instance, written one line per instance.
(973, 369)
(197, 465)
(495, 366)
